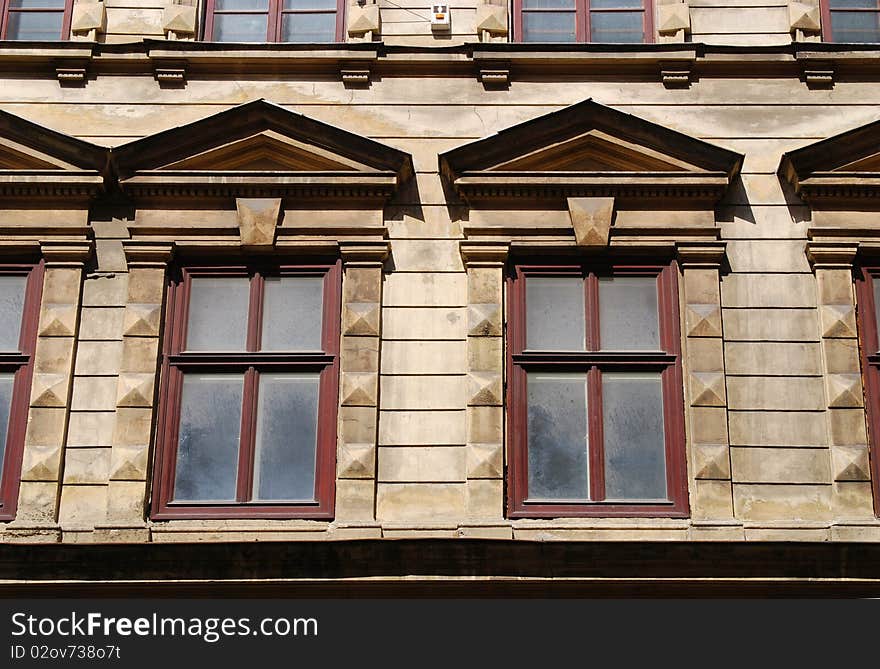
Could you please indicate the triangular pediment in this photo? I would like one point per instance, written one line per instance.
(589, 137)
(843, 166)
(258, 137)
(36, 161)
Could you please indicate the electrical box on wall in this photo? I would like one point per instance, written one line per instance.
(440, 17)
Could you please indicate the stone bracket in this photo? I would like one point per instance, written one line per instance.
(71, 72)
(676, 74)
(364, 21)
(706, 255)
(804, 17)
(88, 20)
(491, 22)
(170, 73)
(179, 21)
(258, 220)
(674, 18)
(827, 254)
(591, 218)
(494, 74)
(817, 73)
(355, 74)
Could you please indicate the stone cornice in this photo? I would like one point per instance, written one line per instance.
(204, 57)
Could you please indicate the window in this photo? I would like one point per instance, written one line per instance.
(868, 301)
(250, 378)
(584, 21)
(20, 289)
(35, 19)
(851, 20)
(595, 392)
(307, 21)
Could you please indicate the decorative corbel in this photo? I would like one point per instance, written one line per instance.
(804, 20)
(258, 220)
(179, 22)
(494, 74)
(71, 71)
(364, 21)
(591, 218)
(87, 21)
(676, 74)
(491, 22)
(355, 74)
(674, 21)
(817, 73)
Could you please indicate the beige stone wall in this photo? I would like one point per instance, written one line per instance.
(436, 461)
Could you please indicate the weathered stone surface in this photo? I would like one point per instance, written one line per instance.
(94, 393)
(711, 499)
(428, 357)
(87, 16)
(36, 501)
(701, 286)
(421, 501)
(180, 19)
(711, 461)
(485, 285)
(425, 289)
(358, 424)
(485, 425)
(97, 323)
(363, 19)
(837, 320)
(424, 255)
(359, 389)
(146, 285)
(800, 325)
(485, 498)
(54, 355)
(45, 427)
(98, 357)
(768, 290)
(142, 320)
(90, 428)
(132, 426)
(702, 320)
(129, 463)
(423, 392)
(835, 286)
(356, 461)
(780, 465)
(57, 320)
(847, 427)
(782, 502)
(105, 291)
(707, 388)
(844, 390)
(705, 355)
(485, 389)
(362, 285)
(87, 465)
(360, 354)
(673, 17)
(61, 285)
(768, 392)
(485, 460)
(841, 356)
(591, 219)
(257, 220)
(850, 463)
(708, 425)
(41, 463)
(770, 358)
(135, 390)
(803, 16)
(774, 428)
(83, 504)
(126, 502)
(484, 320)
(491, 18)
(415, 428)
(355, 499)
(423, 323)
(49, 390)
(139, 354)
(361, 318)
(404, 464)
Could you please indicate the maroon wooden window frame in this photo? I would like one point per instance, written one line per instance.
(870, 354)
(176, 361)
(828, 13)
(20, 363)
(275, 13)
(7, 10)
(582, 13)
(593, 362)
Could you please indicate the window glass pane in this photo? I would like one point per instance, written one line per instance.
(207, 448)
(6, 381)
(36, 4)
(548, 4)
(310, 4)
(548, 26)
(615, 4)
(218, 314)
(617, 27)
(628, 313)
(256, 5)
(558, 462)
(287, 432)
(635, 458)
(858, 27)
(240, 27)
(854, 4)
(34, 25)
(292, 313)
(309, 27)
(11, 306)
(555, 313)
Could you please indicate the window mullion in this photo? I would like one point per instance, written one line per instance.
(275, 20)
(583, 32)
(247, 440)
(596, 438)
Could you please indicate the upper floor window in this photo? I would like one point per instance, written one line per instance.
(20, 288)
(596, 406)
(35, 19)
(306, 21)
(851, 20)
(583, 21)
(250, 378)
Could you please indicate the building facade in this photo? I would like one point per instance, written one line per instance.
(527, 297)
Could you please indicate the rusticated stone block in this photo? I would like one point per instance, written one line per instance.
(126, 502)
(844, 390)
(361, 318)
(358, 424)
(841, 356)
(139, 354)
(852, 500)
(591, 219)
(703, 320)
(356, 461)
(484, 320)
(360, 354)
(850, 463)
(485, 425)
(88, 16)
(359, 389)
(135, 390)
(146, 285)
(804, 17)
(86, 465)
(98, 357)
(711, 499)
(485, 389)
(837, 320)
(45, 427)
(492, 19)
(673, 17)
(142, 320)
(49, 390)
(701, 286)
(258, 220)
(848, 427)
(61, 285)
(132, 427)
(105, 291)
(711, 461)
(707, 388)
(57, 320)
(484, 285)
(355, 499)
(41, 463)
(705, 355)
(421, 501)
(180, 19)
(362, 284)
(363, 19)
(36, 501)
(485, 461)
(485, 354)
(83, 504)
(90, 428)
(129, 463)
(54, 355)
(485, 498)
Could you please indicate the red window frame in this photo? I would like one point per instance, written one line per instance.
(6, 10)
(274, 23)
(826, 10)
(583, 12)
(870, 356)
(667, 361)
(22, 364)
(175, 361)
